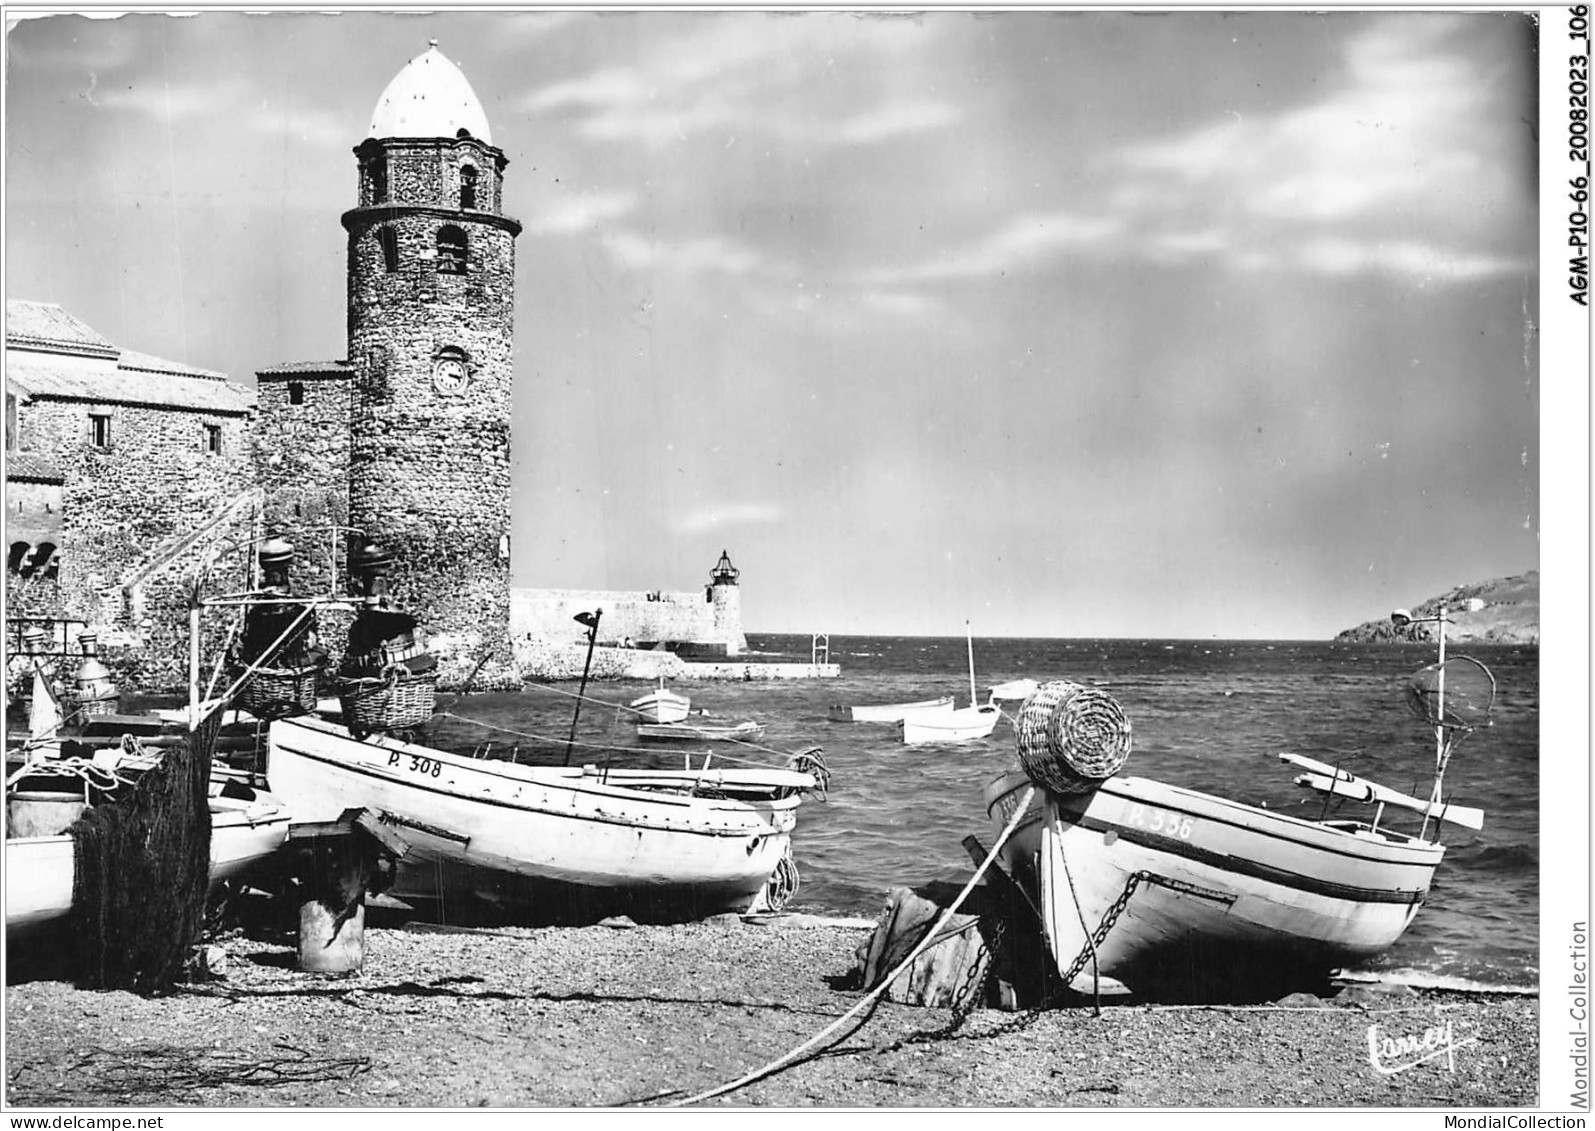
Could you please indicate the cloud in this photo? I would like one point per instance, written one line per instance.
(822, 78)
(232, 104)
(1404, 168)
(175, 102)
(583, 213)
(724, 515)
(709, 254)
(1022, 243)
(895, 119)
(1406, 159)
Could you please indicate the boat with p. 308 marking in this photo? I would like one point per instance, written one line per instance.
(547, 839)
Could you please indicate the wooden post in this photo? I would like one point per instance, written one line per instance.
(340, 862)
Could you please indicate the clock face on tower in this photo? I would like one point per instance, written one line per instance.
(449, 375)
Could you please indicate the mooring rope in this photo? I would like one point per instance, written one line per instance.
(879, 991)
(719, 755)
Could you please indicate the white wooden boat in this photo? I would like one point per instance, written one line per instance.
(888, 712)
(700, 732)
(661, 705)
(965, 724)
(38, 869)
(1014, 691)
(1179, 894)
(1177, 885)
(962, 725)
(540, 841)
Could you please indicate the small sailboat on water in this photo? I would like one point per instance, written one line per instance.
(963, 724)
(888, 712)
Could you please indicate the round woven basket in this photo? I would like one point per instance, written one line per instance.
(1071, 737)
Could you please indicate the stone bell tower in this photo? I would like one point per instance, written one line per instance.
(431, 329)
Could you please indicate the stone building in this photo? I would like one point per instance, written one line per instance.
(123, 469)
(693, 624)
(118, 465)
(407, 440)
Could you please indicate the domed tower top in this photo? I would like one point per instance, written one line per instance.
(430, 98)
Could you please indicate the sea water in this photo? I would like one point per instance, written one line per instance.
(1209, 715)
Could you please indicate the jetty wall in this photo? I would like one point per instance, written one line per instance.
(671, 619)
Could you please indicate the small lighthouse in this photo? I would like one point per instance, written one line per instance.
(726, 597)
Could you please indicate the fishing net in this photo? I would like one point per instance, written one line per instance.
(141, 873)
(1458, 693)
(1072, 737)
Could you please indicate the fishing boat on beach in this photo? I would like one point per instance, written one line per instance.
(1179, 894)
(888, 712)
(49, 786)
(521, 842)
(962, 724)
(547, 839)
(247, 827)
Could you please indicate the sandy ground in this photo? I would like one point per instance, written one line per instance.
(649, 1016)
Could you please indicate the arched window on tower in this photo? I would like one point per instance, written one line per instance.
(16, 556)
(379, 179)
(451, 250)
(389, 240)
(468, 186)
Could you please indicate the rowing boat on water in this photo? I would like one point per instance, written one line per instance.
(887, 712)
(700, 732)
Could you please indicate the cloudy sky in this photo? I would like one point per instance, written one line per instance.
(1065, 323)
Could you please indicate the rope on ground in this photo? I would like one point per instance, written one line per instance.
(162, 1070)
(931, 937)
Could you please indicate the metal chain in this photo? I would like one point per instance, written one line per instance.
(1116, 908)
(1109, 918)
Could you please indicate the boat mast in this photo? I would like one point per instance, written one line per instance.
(1439, 723)
(970, 636)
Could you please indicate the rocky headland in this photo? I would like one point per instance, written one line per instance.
(1510, 614)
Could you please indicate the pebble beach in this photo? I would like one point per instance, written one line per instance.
(658, 1016)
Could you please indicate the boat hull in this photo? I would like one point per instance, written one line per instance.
(692, 732)
(662, 706)
(963, 725)
(538, 843)
(38, 869)
(1203, 897)
(1014, 691)
(890, 712)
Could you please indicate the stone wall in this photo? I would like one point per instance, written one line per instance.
(546, 614)
(126, 506)
(156, 480)
(429, 467)
(302, 466)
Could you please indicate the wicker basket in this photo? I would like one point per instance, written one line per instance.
(276, 693)
(1072, 738)
(397, 698)
(105, 705)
